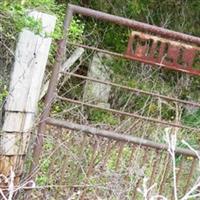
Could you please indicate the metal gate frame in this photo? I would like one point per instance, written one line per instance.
(52, 95)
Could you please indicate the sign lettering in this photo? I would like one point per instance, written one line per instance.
(163, 52)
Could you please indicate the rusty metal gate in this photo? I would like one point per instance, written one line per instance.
(146, 44)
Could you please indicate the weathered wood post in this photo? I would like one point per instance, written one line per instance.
(21, 105)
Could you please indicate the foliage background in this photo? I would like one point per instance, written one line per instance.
(178, 15)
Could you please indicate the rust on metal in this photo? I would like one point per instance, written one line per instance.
(135, 115)
(179, 171)
(121, 146)
(162, 52)
(137, 91)
(106, 154)
(50, 97)
(90, 167)
(144, 158)
(192, 71)
(165, 173)
(131, 155)
(116, 136)
(134, 24)
(179, 56)
(190, 175)
(80, 153)
(157, 159)
(93, 157)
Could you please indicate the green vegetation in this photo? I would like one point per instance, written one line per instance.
(4, 92)
(99, 116)
(71, 156)
(192, 119)
(18, 19)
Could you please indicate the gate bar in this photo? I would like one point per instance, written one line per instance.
(136, 58)
(37, 149)
(191, 103)
(128, 114)
(116, 136)
(134, 24)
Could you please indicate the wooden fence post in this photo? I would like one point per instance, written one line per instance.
(21, 104)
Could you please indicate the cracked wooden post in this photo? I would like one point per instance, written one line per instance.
(21, 105)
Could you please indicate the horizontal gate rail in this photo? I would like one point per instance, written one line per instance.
(128, 114)
(134, 24)
(174, 42)
(117, 136)
(135, 58)
(138, 91)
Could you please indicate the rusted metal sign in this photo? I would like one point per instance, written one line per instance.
(163, 52)
(170, 49)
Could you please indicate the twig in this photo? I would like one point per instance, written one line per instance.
(65, 67)
(145, 191)
(2, 194)
(11, 184)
